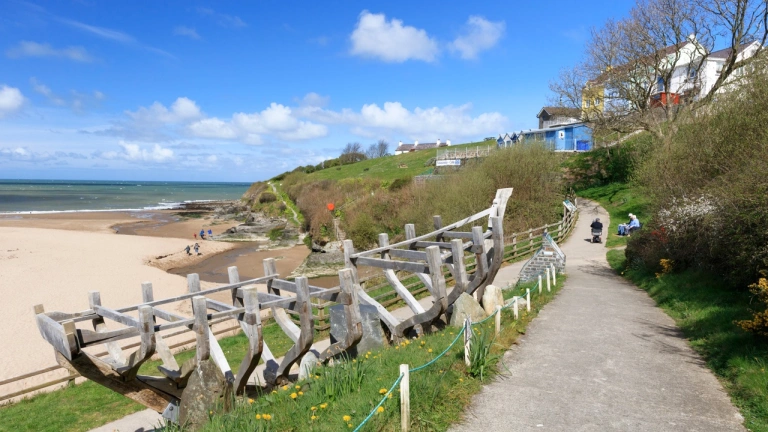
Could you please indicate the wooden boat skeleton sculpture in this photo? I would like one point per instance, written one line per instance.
(119, 372)
(427, 264)
(423, 255)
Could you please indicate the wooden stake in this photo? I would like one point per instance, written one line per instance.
(548, 281)
(498, 319)
(554, 275)
(405, 399)
(539, 284)
(515, 309)
(528, 299)
(467, 339)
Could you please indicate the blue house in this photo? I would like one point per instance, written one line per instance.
(570, 137)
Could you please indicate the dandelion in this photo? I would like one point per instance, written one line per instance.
(285, 387)
(258, 416)
(368, 353)
(429, 350)
(250, 401)
(347, 418)
(294, 395)
(274, 391)
(314, 408)
(397, 347)
(323, 405)
(380, 409)
(354, 360)
(423, 343)
(461, 379)
(382, 391)
(267, 417)
(366, 356)
(349, 425)
(301, 393)
(314, 417)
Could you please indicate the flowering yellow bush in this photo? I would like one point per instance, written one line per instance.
(666, 267)
(759, 322)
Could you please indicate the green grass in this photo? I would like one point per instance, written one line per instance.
(439, 394)
(88, 405)
(388, 167)
(619, 199)
(705, 309)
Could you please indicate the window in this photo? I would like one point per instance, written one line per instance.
(589, 103)
(597, 101)
(692, 74)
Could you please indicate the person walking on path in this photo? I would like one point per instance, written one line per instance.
(197, 249)
(601, 356)
(210, 233)
(186, 249)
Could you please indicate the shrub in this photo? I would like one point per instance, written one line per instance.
(363, 232)
(267, 197)
(275, 234)
(399, 183)
(759, 322)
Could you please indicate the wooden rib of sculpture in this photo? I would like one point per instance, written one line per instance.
(118, 371)
(427, 264)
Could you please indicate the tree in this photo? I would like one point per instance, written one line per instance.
(644, 72)
(377, 149)
(353, 152)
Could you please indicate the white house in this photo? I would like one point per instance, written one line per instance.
(407, 148)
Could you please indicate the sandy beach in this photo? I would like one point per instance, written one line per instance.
(56, 259)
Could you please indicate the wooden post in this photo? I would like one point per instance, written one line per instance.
(528, 299)
(234, 277)
(200, 309)
(405, 399)
(467, 339)
(515, 309)
(554, 275)
(539, 284)
(498, 319)
(193, 282)
(514, 245)
(548, 284)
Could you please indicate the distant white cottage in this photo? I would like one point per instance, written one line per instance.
(407, 148)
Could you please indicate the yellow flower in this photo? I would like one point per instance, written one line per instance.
(441, 371)
(382, 391)
(294, 396)
(397, 347)
(210, 412)
(274, 391)
(423, 343)
(267, 417)
(297, 387)
(250, 401)
(347, 418)
(461, 379)
(380, 409)
(314, 417)
(285, 387)
(368, 353)
(407, 342)
(429, 350)
(389, 396)
(301, 393)
(349, 425)
(258, 416)
(366, 356)
(314, 408)
(323, 405)
(354, 360)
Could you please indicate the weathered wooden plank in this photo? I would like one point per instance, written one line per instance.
(114, 350)
(410, 233)
(199, 308)
(146, 348)
(408, 254)
(393, 265)
(436, 273)
(282, 319)
(116, 316)
(457, 235)
(55, 334)
(394, 281)
(303, 343)
(408, 243)
(251, 325)
(88, 338)
(461, 281)
(169, 361)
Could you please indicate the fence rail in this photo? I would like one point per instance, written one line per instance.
(518, 245)
(465, 153)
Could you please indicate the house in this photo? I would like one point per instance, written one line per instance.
(694, 75)
(557, 116)
(406, 148)
(570, 137)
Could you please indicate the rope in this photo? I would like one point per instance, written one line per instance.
(373, 411)
(416, 369)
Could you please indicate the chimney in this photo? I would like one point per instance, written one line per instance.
(438, 142)
(447, 142)
(415, 143)
(401, 143)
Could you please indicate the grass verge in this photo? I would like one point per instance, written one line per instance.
(619, 199)
(705, 309)
(340, 397)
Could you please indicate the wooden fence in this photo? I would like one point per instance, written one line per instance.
(518, 245)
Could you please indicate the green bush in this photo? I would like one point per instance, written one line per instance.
(399, 183)
(363, 232)
(267, 197)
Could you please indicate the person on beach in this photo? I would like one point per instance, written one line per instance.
(210, 233)
(202, 234)
(187, 250)
(197, 249)
(195, 236)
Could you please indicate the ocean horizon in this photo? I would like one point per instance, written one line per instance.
(58, 196)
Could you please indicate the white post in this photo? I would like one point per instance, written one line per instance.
(548, 280)
(554, 275)
(515, 308)
(498, 319)
(539, 284)
(528, 299)
(405, 399)
(467, 338)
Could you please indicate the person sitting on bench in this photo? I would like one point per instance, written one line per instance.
(634, 225)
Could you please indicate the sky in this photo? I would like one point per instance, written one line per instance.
(242, 91)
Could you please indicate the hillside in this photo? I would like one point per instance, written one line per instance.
(388, 167)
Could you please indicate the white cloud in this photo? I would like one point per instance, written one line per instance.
(11, 100)
(479, 35)
(135, 153)
(212, 159)
(113, 35)
(182, 110)
(391, 41)
(186, 31)
(221, 19)
(46, 91)
(276, 120)
(34, 49)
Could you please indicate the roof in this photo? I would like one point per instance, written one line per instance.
(552, 129)
(724, 53)
(663, 52)
(560, 111)
(421, 146)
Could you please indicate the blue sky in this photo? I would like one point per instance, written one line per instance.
(241, 91)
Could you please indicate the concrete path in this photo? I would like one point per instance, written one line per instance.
(601, 357)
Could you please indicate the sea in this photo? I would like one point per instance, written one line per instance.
(52, 196)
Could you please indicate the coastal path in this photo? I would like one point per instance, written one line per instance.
(601, 357)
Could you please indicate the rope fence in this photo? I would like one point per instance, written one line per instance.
(405, 371)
